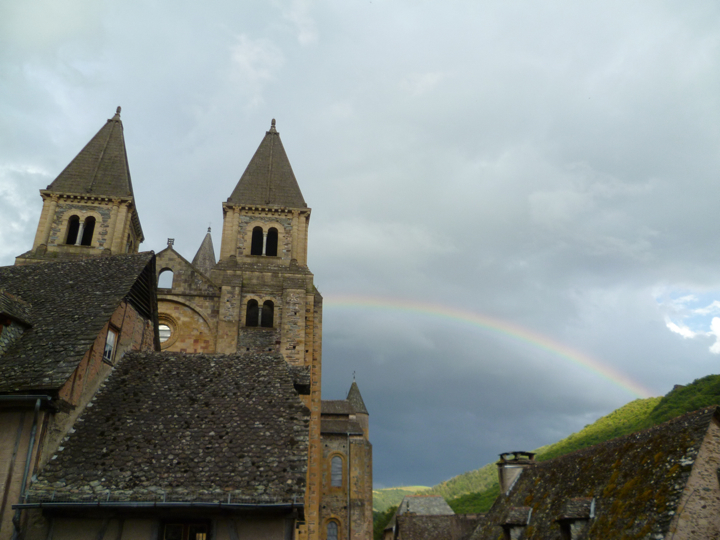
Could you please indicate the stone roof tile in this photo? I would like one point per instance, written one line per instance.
(356, 399)
(177, 427)
(336, 407)
(269, 179)
(70, 303)
(101, 167)
(205, 257)
(636, 481)
(344, 427)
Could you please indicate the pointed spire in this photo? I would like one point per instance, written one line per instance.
(101, 168)
(356, 399)
(205, 257)
(269, 179)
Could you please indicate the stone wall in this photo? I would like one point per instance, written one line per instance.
(698, 516)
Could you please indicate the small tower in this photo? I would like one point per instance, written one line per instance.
(205, 257)
(89, 209)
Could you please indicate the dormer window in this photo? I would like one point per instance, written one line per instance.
(110, 342)
(517, 518)
(576, 514)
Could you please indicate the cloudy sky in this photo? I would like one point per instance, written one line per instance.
(515, 204)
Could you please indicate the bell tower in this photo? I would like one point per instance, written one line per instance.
(89, 209)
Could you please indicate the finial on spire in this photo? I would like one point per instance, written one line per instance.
(272, 126)
(119, 108)
(171, 241)
(209, 229)
(353, 376)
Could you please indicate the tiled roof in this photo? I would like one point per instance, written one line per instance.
(70, 304)
(205, 257)
(426, 505)
(101, 168)
(176, 427)
(349, 427)
(336, 407)
(636, 481)
(269, 179)
(15, 308)
(356, 399)
(442, 527)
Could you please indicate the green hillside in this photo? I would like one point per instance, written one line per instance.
(475, 491)
(385, 498)
(636, 415)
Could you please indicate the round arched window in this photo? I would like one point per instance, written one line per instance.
(165, 332)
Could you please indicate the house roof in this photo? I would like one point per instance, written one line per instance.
(205, 256)
(177, 427)
(356, 399)
(437, 527)
(336, 407)
(636, 482)
(426, 505)
(269, 179)
(70, 303)
(101, 167)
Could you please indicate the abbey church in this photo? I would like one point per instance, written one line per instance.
(158, 397)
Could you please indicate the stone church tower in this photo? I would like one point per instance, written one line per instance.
(259, 298)
(89, 209)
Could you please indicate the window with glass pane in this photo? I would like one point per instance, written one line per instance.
(186, 531)
(109, 345)
(332, 531)
(336, 472)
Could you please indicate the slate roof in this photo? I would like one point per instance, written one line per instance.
(101, 167)
(356, 399)
(438, 527)
(426, 505)
(636, 481)
(70, 303)
(177, 427)
(205, 257)
(336, 407)
(269, 179)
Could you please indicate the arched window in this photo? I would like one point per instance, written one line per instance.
(165, 279)
(332, 530)
(272, 243)
(257, 241)
(73, 228)
(266, 320)
(336, 471)
(251, 315)
(88, 231)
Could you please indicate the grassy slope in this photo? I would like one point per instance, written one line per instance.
(475, 491)
(384, 498)
(634, 416)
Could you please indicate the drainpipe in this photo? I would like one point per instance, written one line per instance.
(31, 445)
(349, 487)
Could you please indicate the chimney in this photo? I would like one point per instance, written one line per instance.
(510, 466)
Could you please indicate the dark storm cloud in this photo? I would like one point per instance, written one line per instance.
(551, 165)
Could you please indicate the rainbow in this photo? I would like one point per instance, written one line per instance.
(498, 326)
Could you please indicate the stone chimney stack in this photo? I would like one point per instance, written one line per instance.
(510, 466)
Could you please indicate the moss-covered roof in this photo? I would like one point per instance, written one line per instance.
(177, 427)
(635, 481)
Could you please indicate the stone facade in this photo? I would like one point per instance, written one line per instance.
(259, 298)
